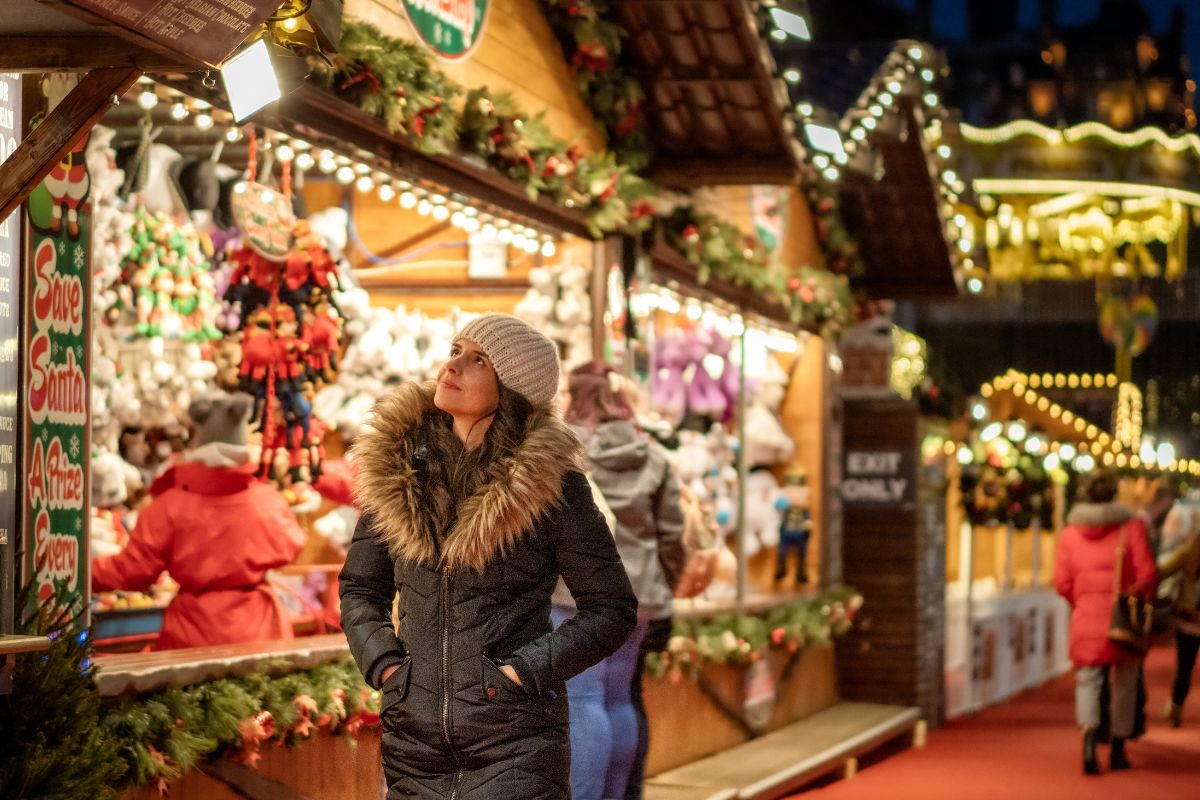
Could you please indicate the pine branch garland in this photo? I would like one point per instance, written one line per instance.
(746, 638)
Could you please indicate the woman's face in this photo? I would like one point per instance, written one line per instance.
(467, 387)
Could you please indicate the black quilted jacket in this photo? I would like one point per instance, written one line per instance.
(454, 725)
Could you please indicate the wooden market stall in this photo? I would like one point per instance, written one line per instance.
(1009, 492)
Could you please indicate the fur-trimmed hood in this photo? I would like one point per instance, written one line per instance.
(1099, 516)
(489, 522)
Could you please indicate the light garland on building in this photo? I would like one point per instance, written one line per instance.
(1077, 133)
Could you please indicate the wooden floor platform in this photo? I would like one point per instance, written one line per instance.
(785, 760)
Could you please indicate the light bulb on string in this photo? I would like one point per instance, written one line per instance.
(179, 111)
(364, 183)
(387, 192)
(232, 134)
(204, 121)
(519, 240)
(285, 153)
(345, 174)
(441, 213)
(458, 219)
(548, 248)
(424, 207)
(408, 200)
(505, 235)
(305, 161)
(147, 100)
(531, 246)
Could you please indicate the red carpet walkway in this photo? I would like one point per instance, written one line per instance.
(1030, 748)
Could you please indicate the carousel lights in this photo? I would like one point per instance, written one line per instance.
(991, 432)
(1066, 451)
(931, 99)
(944, 150)
(858, 134)
(974, 285)
(1165, 453)
(1016, 431)
(916, 53)
(831, 174)
(1138, 138)
(791, 75)
(869, 123)
(805, 109)
(1084, 463)
(979, 410)
(965, 456)
(1052, 461)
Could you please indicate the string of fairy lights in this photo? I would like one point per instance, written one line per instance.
(439, 203)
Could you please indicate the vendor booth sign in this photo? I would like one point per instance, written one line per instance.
(450, 28)
(57, 361)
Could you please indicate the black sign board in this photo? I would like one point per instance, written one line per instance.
(10, 362)
(880, 477)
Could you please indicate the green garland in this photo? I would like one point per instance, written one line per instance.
(398, 83)
(592, 44)
(395, 81)
(814, 299)
(51, 742)
(746, 638)
(165, 734)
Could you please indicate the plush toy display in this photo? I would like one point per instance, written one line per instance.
(765, 504)
(559, 304)
(795, 529)
(692, 375)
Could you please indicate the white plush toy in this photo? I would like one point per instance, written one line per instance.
(112, 480)
(337, 526)
(765, 504)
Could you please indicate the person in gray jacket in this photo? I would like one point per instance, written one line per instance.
(633, 474)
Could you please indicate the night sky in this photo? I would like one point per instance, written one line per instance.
(951, 20)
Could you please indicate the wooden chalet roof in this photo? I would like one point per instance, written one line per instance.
(717, 110)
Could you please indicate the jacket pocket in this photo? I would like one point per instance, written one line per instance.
(499, 687)
(396, 686)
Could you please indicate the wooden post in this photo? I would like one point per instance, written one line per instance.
(850, 768)
(63, 127)
(920, 733)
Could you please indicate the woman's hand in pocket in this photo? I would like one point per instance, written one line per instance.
(511, 674)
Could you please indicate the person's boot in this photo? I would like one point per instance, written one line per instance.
(1173, 714)
(1117, 759)
(1091, 766)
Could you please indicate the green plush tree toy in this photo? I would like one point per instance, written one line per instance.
(53, 747)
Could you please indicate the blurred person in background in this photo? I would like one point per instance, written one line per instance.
(633, 474)
(1085, 571)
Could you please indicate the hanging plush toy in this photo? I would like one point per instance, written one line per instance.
(282, 283)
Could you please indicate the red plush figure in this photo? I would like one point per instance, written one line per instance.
(217, 531)
(323, 337)
(68, 185)
(289, 347)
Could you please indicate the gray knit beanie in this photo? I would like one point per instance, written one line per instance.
(525, 360)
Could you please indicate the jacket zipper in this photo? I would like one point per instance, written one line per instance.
(446, 682)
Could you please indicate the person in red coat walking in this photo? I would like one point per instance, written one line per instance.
(1084, 572)
(217, 530)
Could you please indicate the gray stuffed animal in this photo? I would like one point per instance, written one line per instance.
(220, 417)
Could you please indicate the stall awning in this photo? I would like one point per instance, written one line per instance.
(718, 113)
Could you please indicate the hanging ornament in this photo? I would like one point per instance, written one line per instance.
(1129, 323)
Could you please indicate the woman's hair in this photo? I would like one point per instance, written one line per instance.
(1098, 486)
(595, 398)
(455, 473)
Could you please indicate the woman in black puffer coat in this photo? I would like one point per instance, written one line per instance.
(474, 504)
